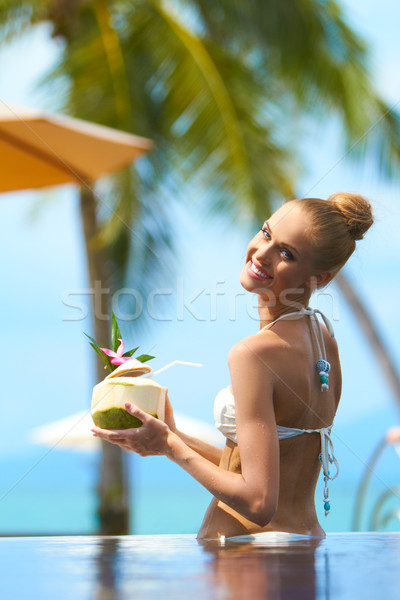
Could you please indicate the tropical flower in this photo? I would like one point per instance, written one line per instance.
(118, 358)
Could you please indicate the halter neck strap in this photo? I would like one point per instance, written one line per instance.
(311, 312)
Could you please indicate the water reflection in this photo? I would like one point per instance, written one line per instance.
(178, 567)
(106, 581)
(284, 571)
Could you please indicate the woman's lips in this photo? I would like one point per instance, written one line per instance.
(260, 276)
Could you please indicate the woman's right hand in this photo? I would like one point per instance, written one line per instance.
(169, 414)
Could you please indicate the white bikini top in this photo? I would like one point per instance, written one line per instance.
(224, 405)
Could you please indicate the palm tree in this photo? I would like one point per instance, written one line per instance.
(222, 88)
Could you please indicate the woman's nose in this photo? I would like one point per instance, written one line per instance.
(264, 254)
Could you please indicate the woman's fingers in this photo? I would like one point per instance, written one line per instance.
(169, 413)
(148, 439)
(124, 438)
(114, 436)
(137, 412)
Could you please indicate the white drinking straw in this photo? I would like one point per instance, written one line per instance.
(175, 362)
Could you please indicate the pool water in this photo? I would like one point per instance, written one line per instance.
(349, 565)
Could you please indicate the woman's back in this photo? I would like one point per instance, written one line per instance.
(289, 352)
(300, 403)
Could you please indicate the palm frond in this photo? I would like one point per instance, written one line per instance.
(220, 88)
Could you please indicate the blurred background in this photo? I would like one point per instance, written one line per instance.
(248, 105)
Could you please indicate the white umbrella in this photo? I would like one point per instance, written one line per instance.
(74, 433)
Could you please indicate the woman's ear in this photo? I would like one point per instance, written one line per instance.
(315, 281)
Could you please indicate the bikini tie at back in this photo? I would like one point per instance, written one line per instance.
(326, 457)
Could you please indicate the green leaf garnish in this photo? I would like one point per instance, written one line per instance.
(131, 352)
(115, 333)
(144, 357)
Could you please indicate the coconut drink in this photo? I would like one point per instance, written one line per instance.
(125, 385)
(129, 380)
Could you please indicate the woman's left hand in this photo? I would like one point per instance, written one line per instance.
(148, 440)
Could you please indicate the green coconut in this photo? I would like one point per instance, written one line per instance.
(109, 398)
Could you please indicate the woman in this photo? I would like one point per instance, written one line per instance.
(278, 413)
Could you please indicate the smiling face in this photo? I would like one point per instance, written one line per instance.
(279, 257)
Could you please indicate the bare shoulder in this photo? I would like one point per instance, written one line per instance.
(255, 356)
(254, 345)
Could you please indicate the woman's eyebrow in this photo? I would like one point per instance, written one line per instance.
(268, 228)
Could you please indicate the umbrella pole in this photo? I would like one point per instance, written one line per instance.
(113, 485)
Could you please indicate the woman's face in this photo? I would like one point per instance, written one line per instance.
(281, 253)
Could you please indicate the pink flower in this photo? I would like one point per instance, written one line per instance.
(117, 358)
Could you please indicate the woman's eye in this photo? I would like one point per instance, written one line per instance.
(266, 233)
(288, 255)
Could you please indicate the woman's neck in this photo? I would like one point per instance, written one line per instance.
(269, 313)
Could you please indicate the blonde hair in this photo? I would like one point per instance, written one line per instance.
(335, 226)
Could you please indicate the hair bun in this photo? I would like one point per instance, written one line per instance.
(355, 210)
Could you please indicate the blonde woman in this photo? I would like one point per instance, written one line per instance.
(278, 412)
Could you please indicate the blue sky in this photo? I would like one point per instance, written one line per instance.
(44, 353)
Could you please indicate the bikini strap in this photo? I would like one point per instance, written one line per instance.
(323, 366)
(297, 312)
(327, 456)
(311, 312)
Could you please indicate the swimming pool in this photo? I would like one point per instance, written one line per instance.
(349, 565)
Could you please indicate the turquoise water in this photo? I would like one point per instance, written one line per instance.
(55, 493)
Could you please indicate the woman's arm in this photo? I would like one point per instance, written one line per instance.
(211, 453)
(254, 492)
(207, 451)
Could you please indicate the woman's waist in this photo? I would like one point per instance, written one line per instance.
(230, 459)
(298, 473)
(224, 520)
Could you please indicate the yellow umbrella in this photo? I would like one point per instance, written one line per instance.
(39, 149)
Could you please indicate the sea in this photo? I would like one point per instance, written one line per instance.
(53, 492)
